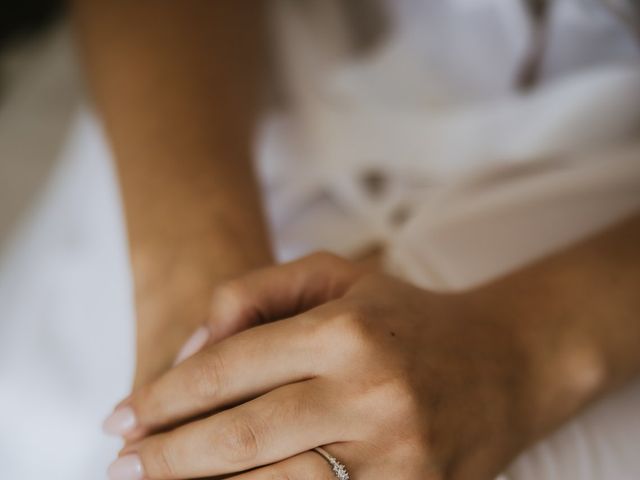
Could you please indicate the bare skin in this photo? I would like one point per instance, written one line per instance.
(177, 85)
(429, 386)
(399, 382)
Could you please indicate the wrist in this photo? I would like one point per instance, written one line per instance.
(173, 289)
(566, 365)
(567, 374)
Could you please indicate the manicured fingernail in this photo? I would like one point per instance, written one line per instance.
(128, 467)
(195, 343)
(121, 422)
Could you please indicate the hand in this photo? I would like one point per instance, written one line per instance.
(188, 298)
(395, 381)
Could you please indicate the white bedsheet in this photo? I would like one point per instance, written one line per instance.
(66, 321)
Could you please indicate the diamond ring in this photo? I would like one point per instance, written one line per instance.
(339, 470)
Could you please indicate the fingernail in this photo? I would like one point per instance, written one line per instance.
(128, 467)
(195, 343)
(121, 422)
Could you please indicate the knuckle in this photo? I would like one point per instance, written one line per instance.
(207, 378)
(230, 295)
(148, 404)
(143, 401)
(403, 399)
(401, 412)
(166, 461)
(159, 459)
(348, 323)
(349, 331)
(241, 441)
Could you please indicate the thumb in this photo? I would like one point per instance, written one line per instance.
(270, 294)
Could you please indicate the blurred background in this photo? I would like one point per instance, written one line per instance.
(63, 269)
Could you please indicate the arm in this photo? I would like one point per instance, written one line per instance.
(398, 382)
(578, 317)
(177, 86)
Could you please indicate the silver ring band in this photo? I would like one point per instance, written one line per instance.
(339, 470)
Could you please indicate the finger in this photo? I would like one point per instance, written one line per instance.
(278, 425)
(270, 294)
(235, 370)
(305, 466)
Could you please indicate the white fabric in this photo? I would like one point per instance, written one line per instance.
(66, 322)
(492, 179)
(434, 109)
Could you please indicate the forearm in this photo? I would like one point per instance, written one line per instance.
(578, 316)
(177, 86)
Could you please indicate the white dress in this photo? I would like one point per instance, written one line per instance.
(433, 110)
(473, 179)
